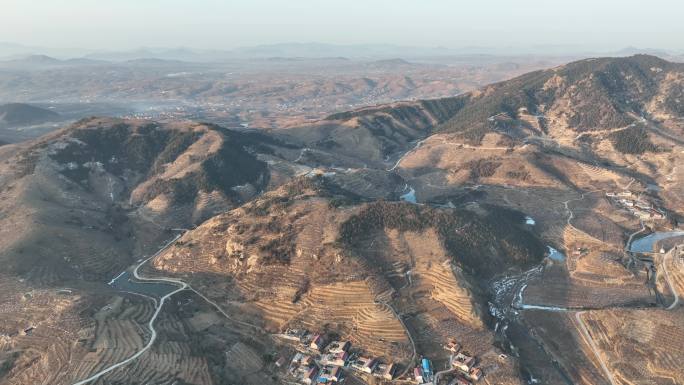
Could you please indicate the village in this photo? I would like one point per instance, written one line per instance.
(319, 361)
(637, 205)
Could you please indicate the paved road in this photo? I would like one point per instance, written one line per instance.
(631, 236)
(439, 374)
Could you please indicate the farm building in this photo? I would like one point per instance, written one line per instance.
(452, 346)
(475, 374)
(339, 346)
(330, 374)
(336, 359)
(385, 371)
(463, 362)
(364, 364)
(310, 376)
(317, 342)
(418, 375)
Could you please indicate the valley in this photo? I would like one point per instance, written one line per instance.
(524, 232)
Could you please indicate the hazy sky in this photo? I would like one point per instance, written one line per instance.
(121, 24)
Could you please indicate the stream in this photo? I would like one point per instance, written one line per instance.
(508, 297)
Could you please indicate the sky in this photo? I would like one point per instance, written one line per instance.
(214, 24)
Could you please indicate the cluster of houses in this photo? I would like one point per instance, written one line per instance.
(423, 373)
(320, 362)
(636, 205)
(464, 363)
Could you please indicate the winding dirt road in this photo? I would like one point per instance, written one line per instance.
(408, 333)
(672, 254)
(150, 325)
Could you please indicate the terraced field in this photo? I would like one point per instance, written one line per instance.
(40, 326)
(640, 346)
(597, 280)
(119, 332)
(172, 358)
(434, 273)
(353, 308)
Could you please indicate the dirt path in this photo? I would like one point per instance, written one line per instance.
(182, 286)
(580, 323)
(594, 348)
(571, 214)
(396, 164)
(408, 333)
(673, 288)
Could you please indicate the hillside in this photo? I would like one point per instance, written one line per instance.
(558, 145)
(499, 219)
(571, 103)
(82, 202)
(309, 253)
(370, 135)
(19, 114)
(579, 97)
(80, 205)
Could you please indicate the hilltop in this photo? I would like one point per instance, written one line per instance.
(101, 177)
(19, 114)
(578, 97)
(311, 255)
(571, 103)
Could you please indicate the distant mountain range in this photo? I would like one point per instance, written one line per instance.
(11, 51)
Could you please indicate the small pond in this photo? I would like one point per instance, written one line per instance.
(410, 196)
(555, 254)
(646, 244)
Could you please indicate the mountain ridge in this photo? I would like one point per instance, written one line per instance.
(20, 114)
